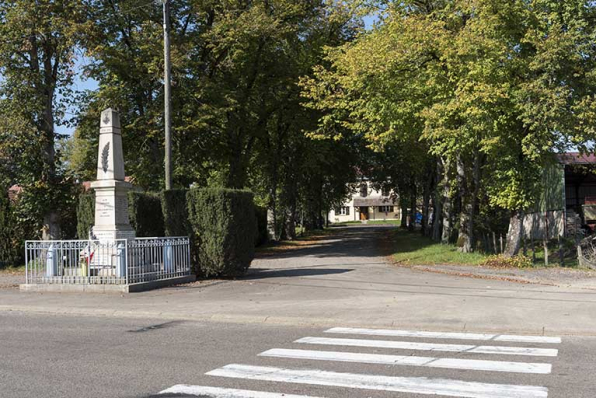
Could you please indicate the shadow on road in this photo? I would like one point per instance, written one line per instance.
(281, 273)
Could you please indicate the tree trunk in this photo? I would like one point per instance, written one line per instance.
(404, 213)
(272, 222)
(437, 204)
(514, 235)
(51, 219)
(291, 223)
(412, 212)
(447, 206)
(426, 227)
(466, 219)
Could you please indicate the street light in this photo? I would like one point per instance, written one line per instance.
(167, 93)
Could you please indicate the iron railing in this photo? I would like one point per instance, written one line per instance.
(109, 262)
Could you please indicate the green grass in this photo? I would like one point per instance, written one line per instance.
(413, 249)
(393, 222)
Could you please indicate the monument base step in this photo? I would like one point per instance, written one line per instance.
(97, 288)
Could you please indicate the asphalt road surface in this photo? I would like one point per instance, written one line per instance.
(66, 356)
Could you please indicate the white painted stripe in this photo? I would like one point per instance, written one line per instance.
(428, 362)
(440, 335)
(214, 392)
(414, 385)
(406, 345)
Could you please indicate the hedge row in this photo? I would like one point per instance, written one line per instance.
(222, 224)
(144, 213)
(8, 253)
(85, 215)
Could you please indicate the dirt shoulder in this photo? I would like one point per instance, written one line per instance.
(562, 277)
(11, 279)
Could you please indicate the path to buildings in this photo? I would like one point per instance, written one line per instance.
(343, 280)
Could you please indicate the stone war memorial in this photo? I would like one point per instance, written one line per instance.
(111, 201)
(113, 259)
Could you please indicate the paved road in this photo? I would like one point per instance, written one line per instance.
(344, 280)
(64, 356)
(273, 332)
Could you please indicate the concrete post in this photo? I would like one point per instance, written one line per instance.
(51, 262)
(167, 257)
(121, 261)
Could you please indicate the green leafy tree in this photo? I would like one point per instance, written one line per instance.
(36, 63)
(492, 89)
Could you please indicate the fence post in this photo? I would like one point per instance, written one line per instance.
(561, 252)
(51, 261)
(167, 256)
(26, 264)
(121, 261)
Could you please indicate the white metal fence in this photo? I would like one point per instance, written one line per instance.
(112, 262)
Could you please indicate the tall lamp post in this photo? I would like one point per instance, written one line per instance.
(167, 93)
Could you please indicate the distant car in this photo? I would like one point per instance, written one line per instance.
(418, 218)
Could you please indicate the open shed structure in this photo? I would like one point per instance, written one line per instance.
(580, 190)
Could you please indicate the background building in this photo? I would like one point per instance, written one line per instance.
(367, 203)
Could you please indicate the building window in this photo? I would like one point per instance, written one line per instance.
(342, 211)
(386, 191)
(363, 190)
(385, 209)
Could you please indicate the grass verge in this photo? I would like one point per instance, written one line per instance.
(411, 248)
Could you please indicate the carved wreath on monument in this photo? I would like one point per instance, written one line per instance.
(105, 153)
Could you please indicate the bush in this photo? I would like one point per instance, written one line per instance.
(144, 211)
(223, 223)
(7, 248)
(85, 215)
(262, 235)
(175, 213)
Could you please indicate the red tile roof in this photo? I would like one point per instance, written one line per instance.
(577, 158)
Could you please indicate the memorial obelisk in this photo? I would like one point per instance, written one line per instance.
(111, 200)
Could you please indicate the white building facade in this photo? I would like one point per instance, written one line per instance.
(367, 203)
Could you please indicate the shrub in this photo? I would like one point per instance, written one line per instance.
(7, 249)
(261, 235)
(85, 215)
(145, 213)
(175, 213)
(223, 229)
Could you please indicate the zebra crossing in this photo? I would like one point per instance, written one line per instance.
(460, 350)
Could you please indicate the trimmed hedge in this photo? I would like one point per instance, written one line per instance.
(175, 213)
(223, 223)
(7, 252)
(144, 211)
(85, 215)
(262, 236)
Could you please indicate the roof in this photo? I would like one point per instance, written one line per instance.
(373, 202)
(571, 158)
(14, 191)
